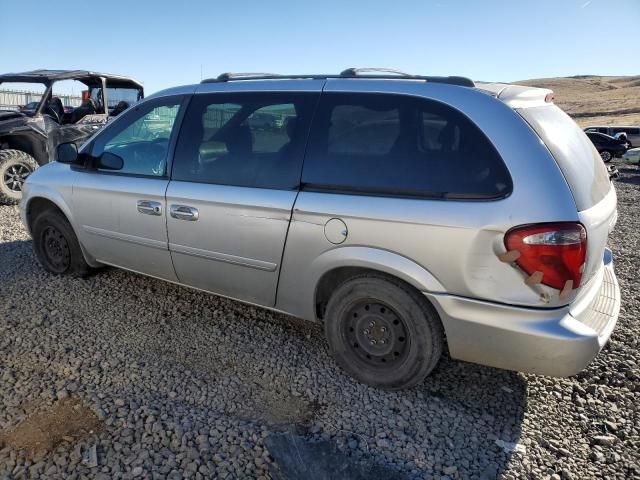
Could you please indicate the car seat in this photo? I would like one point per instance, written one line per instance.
(55, 109)
(119, 108)
(237, 165)
(87, 108)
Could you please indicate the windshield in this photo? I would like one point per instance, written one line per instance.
(117, 95)
(16, 95)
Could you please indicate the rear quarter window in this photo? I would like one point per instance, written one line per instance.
(579, 161)
(384, 144)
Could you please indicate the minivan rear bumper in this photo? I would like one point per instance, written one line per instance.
(557, 342)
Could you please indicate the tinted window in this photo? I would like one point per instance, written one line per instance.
(119, 99)
(141, 138)
(248, 140)
(598, 137)
(399, 145)
(576, 156)
(358, 129)
(630, 131)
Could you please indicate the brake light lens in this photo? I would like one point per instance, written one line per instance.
(557, 250)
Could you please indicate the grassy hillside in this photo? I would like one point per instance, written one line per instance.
(595, 100)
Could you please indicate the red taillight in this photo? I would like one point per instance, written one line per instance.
(557, 250)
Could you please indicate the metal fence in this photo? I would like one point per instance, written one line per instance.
(13, 99)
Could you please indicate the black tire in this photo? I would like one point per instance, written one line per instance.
(365, 311)
(15, 167)
(606, 156)
(56, 245)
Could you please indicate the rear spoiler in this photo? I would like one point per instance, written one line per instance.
(518, 96)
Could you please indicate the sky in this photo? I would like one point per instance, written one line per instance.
(167, 43)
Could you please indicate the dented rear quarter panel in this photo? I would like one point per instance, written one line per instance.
(455, 243)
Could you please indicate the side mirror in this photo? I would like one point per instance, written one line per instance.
(110, 161)
(67, 153)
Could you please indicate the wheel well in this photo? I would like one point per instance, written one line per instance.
(39, 205)
(25, 143)
(334, 278)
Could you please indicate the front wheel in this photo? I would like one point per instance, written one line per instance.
(56, 245)
(382, 332)
(15, 167)
(606, 156)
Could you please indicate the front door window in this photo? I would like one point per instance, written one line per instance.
(141, 139)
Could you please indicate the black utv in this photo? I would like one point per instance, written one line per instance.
(29, 136)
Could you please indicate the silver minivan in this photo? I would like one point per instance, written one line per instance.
(408, 214)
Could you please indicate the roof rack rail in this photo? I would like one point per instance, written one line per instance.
(225, 77)
(376, 73)
(354, 71)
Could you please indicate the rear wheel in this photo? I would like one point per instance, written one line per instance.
(382, 332)
(606, 156)
(15, 167)
(56, 245)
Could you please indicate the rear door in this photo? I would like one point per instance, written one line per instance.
(596, 139)
(235, 179)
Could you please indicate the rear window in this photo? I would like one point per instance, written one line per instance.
(601, 137)
(396, 145)
(628, 130)
(576, 156)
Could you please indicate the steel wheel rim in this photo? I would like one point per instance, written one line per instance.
(56, 249)
(15, 176)
(376, 334)
(605, 156)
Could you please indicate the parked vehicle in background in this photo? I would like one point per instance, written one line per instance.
(29, 108)
(633, 133)
(608, 147)
(29, 138)
(623, 138)
(632, 156)
(408, 214)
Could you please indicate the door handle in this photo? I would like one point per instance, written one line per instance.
(184, 212)
(149, 208)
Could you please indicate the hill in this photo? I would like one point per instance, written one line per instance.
(591, 99)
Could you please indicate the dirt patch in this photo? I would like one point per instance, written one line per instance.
(67, 420)
(632, 119)
(285, 409)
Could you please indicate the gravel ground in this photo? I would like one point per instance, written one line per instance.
(122, 376)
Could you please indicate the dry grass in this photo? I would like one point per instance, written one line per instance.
(595, 100)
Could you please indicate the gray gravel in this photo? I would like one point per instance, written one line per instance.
(188, 385)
